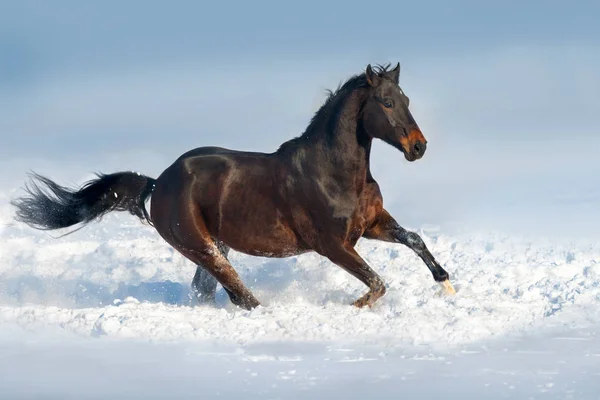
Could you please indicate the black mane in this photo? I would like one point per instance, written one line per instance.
(332, 107)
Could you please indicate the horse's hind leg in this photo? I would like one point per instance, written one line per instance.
(189, 236)
(208, 256)
(204, 285)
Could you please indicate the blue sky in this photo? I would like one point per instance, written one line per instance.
(500, 89)
(110, 73)
(39, 37)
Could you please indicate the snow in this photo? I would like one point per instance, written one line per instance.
(107, 312)
(511, 214)
(126, 282)
(67, 366)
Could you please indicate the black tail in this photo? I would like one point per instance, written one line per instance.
(55, 206)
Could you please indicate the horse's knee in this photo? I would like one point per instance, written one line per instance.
(414, 240)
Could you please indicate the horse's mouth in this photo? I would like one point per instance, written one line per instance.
(413, 155)
(410, 157)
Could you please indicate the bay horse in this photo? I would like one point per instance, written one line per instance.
(315, 193)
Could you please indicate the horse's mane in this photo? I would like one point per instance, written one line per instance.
(333, 105)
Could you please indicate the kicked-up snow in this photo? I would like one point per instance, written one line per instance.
(125, 281)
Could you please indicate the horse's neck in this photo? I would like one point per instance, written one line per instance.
(349, 147)
(343, 153)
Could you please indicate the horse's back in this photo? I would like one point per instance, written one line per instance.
(214, 150)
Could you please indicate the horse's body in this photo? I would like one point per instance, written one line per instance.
(315, 193)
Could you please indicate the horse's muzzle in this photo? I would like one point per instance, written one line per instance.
(416, 151)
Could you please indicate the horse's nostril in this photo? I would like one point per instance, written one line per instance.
(417, 148)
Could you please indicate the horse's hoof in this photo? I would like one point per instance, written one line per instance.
(360, 303)
(202, 299)
(248, 304)
(447, 288)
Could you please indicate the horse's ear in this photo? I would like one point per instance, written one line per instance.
(395, 74)
(373, 79)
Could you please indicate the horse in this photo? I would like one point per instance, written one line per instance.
(315, 193)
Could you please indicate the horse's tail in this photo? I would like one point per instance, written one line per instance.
(51, 206)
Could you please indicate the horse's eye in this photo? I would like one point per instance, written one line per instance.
(388, 104)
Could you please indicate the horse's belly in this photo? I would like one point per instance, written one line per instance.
(261, 237)
(256, 226)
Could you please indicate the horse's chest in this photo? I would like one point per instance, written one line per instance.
(370, 205)
(350, 212)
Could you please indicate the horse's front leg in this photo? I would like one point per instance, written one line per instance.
(347, 258)
(387, 229)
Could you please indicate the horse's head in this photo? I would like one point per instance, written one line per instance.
(386, 115)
